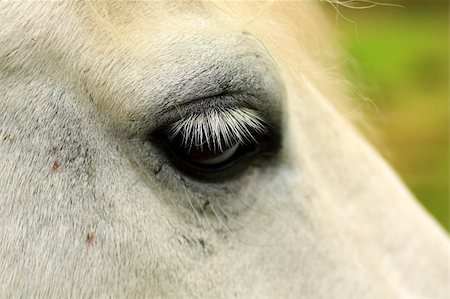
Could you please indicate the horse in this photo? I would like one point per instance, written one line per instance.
(182, 149)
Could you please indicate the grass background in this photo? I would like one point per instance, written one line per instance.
(400, 61)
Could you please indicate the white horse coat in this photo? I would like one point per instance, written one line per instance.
(92, 207)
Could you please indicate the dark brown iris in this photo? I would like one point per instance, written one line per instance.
(209, 157)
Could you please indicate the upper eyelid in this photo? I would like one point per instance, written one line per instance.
(266, 108)
(222, 99)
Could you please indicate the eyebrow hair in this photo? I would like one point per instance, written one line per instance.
(219, 129)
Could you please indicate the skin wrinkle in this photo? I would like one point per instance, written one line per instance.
(85, 83)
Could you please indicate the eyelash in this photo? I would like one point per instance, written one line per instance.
(218, 129)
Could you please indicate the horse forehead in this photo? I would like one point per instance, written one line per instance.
(137, 15)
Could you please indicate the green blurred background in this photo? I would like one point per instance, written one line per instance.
(400, 61)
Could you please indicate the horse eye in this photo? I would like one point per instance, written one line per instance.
(217, 142)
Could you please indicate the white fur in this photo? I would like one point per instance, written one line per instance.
(90, 208)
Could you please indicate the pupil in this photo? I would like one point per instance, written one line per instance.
(209, 157)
